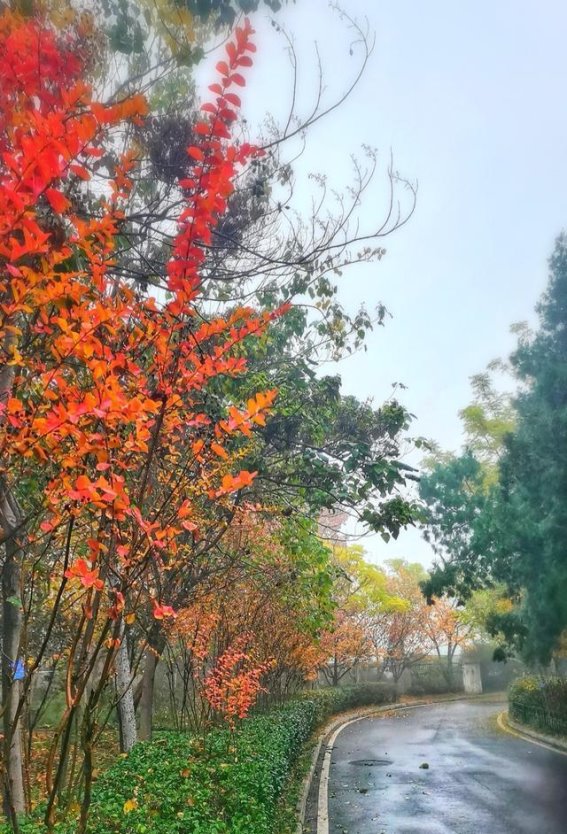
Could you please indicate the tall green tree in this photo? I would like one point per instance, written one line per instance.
(531, 519)
(512, 526)
(458, 491)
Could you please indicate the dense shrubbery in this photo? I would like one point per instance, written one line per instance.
(328, 701)
(228, 784)
(435, 679)
(540, 703)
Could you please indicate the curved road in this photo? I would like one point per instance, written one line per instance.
(479, 779)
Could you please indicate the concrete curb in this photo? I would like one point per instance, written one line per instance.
(328, 728)
(353, 715)
(531, 735)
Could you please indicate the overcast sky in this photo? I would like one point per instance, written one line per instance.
(470, 98)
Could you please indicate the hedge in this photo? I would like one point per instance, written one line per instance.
(540, 703)
(169, 786)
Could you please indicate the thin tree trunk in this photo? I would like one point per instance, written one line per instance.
(450, 653)
(125, 692)
(12, 668)
(147, 698)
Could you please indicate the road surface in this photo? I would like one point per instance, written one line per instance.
(444, 769)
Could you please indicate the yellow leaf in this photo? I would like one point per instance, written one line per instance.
(130, 805)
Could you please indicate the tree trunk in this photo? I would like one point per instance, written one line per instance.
(450, 653)
(147, 696)
(125, 692)
(12, 664)
(335, 671)
(10, 520)
(154, 651)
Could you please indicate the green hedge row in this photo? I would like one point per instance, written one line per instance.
(541, 703)
(331, 700)
(169, 786)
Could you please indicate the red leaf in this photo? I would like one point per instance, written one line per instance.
(232, 98)
(92, 151)
(57, 200)
(195, 153)
(81, 172)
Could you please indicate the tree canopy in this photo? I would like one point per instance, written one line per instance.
(497, 513)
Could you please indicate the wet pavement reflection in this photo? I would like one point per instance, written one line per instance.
(444, 769)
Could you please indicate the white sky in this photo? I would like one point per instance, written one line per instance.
(470, 98)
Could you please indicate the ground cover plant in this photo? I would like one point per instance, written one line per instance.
(225, 782)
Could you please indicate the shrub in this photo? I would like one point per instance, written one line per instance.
(334, 699)
(541, 703)
(171, 786)
(435, 679)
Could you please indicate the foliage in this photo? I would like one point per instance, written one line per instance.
(111, 463)
(132, 25)
(233, 685)
(399, 632)
(322, 449)
(270, 597)
(173, 786)
(148, 508)
(457, 491)
(453, 495)
(540, 702)
(330, 700)
(532, 515)
(359, 592)
(488, 420)
(435, 678)
(511, 527)
(449, 630)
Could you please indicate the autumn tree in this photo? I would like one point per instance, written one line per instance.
(138, 369)
(399, 633)
(319, 448)
(107, 454)
(450, 631)
(271, 599)
(360, 594)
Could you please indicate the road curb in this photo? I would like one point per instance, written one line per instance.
(531, 735)
(328, 728)
(345, 718)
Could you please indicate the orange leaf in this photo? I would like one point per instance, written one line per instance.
(57, 200)
(80, 172)
(218, 450)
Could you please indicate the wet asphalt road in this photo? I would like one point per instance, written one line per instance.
(480, 780)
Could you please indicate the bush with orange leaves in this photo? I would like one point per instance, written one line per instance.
(108, 453)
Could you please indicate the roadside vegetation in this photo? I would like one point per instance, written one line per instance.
(226, 781)
(540, 703)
